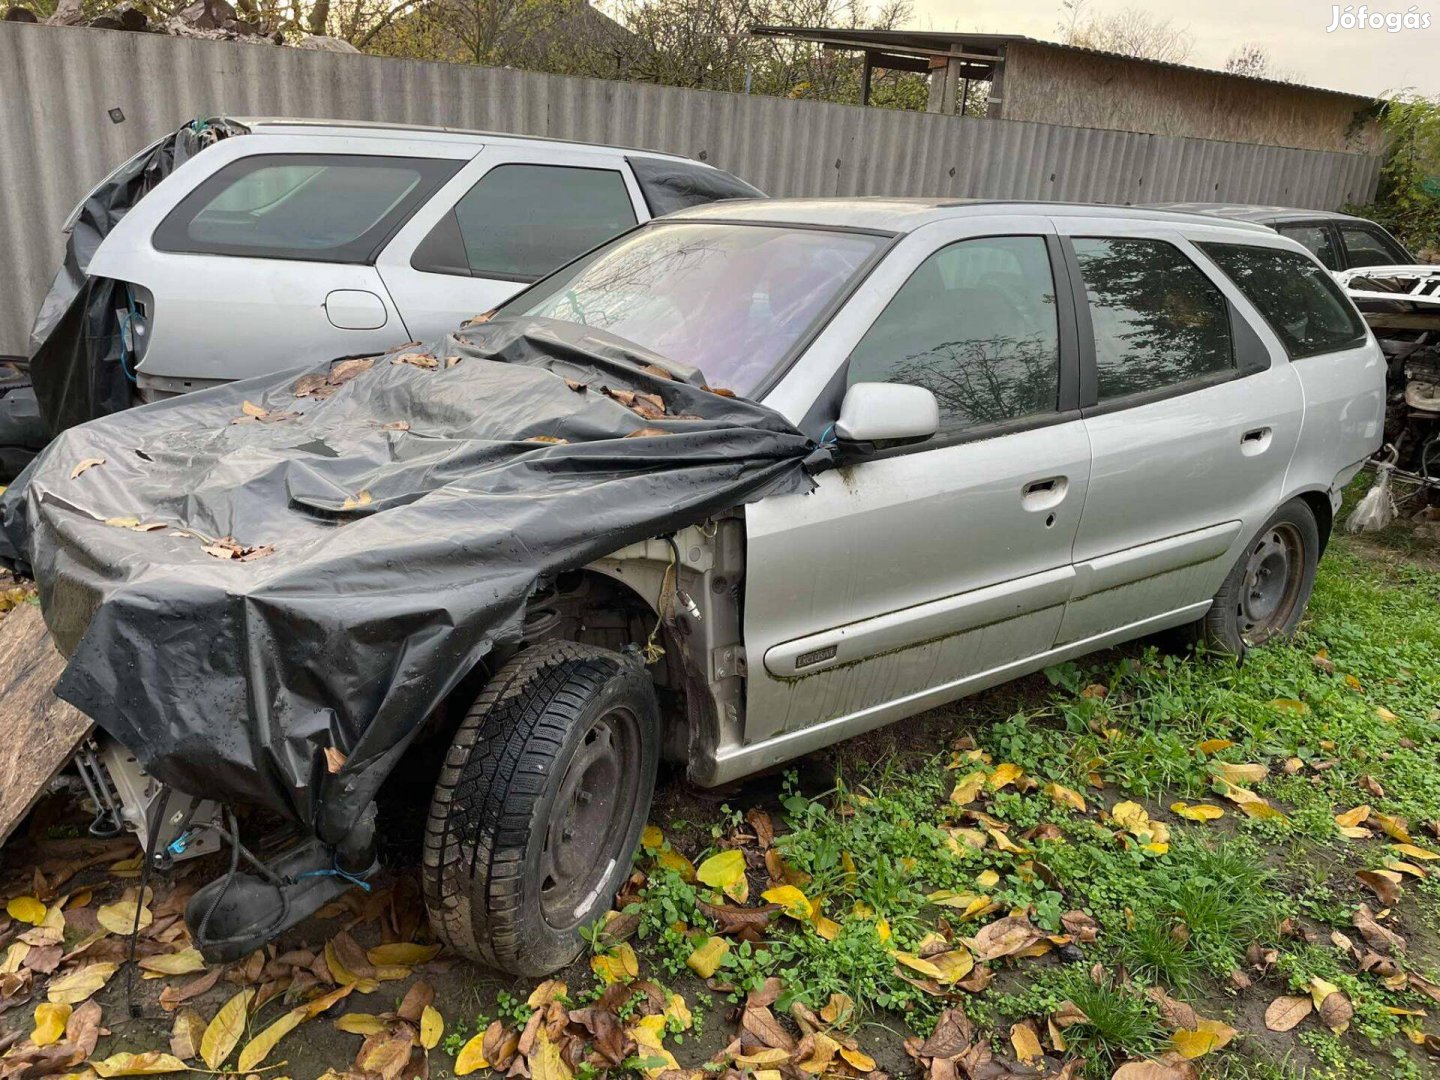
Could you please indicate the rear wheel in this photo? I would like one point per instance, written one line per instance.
(540, 806)
(1265, 594)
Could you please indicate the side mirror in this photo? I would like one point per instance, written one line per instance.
(887, 412)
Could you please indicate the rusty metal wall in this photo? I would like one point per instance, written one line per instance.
(57, 85)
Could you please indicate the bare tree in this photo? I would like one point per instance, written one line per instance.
(1254, 61)
(1129, 31)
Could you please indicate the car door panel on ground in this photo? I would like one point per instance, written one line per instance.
(886, 589)
(270, 241)
(504, 221)
(1192, 421)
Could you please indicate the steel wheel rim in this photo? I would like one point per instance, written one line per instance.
(1270, 587)
(591, 817)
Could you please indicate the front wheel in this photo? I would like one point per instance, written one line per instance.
(1265, 594)
(540, 806)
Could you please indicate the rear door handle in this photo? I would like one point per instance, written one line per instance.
(1255, 441)
(1043, 494)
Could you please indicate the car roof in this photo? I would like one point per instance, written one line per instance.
(1264, 215)
(293, 125)
(896, 215)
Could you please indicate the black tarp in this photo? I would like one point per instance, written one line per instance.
(669, 185)
(76, 348)
(411, 513)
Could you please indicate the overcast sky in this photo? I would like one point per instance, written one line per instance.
(1293, 31)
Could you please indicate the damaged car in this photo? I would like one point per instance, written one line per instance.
(210, 257)
(746, 481)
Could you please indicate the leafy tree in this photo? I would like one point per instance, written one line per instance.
(1129, 31)
(1408, 200)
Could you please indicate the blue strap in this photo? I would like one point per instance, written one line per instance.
(335, 871)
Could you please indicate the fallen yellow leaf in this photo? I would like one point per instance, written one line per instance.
(74, 988)
(726, 872)
(1197, 811)
(708, 956)
(968, 788)
(360, 1024)
(147, 1064)
(472, 1056)
(1064, 796)
(794, 902)
(618, 965)
(1004, 775)
(432, 1027)
(26, 909)
(402, 953)
(258, 1048)
(50, 1020)
(224, 1031)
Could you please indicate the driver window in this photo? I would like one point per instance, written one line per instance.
(975, 325)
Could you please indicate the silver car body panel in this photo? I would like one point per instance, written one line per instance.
(217, 318)
(909, 580)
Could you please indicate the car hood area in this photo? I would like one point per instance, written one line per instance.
(264, 589)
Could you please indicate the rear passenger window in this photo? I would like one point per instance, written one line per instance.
(522, 221)
(1315, 239)
(1300, 301)
(1366, 247)
(1158, 321)
(315, 207)
(975, 325)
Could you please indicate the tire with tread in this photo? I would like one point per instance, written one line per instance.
(497, 795)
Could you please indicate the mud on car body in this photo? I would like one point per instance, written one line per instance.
(788, 471)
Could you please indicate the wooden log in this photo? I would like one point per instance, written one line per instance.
(39, 733)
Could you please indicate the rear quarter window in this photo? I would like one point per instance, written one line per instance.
(1302, 303)
(313, 207)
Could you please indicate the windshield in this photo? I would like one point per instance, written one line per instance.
(729, 299)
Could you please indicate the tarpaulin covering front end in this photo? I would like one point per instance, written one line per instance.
(246, 576)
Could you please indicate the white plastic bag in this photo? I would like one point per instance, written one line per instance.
(1377, 509)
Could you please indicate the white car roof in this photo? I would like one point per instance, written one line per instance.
(291, 125)
(888, 214)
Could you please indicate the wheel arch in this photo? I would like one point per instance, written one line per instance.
(1318, 501)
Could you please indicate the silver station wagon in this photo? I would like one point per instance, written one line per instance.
(1059, 427)
(1052, 429)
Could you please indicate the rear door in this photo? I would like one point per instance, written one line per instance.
(908, 577)
(1365, 244)
(1316, 237)
(255, 256)
(1192, 421)
(509, 218)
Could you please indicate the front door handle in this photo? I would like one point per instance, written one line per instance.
(1043, 494)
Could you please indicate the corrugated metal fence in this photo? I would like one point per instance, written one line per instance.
(56, 139)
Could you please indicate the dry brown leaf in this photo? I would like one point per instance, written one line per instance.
(1287, 1011)
(1385, 884)
(186, 1033)
(334, 760)
(88, 463)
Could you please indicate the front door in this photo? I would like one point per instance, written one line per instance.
(914, 573)
(1192, 421)
(512, 216)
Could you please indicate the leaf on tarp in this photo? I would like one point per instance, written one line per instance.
(419, 360)
(334, 760)
(85, 465)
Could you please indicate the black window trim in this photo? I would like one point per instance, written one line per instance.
(523, 279)
(172, 236)
(1090, 404)
(1354, 343)
(1067, 408)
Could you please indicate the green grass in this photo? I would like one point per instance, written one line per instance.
(1354, 700)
